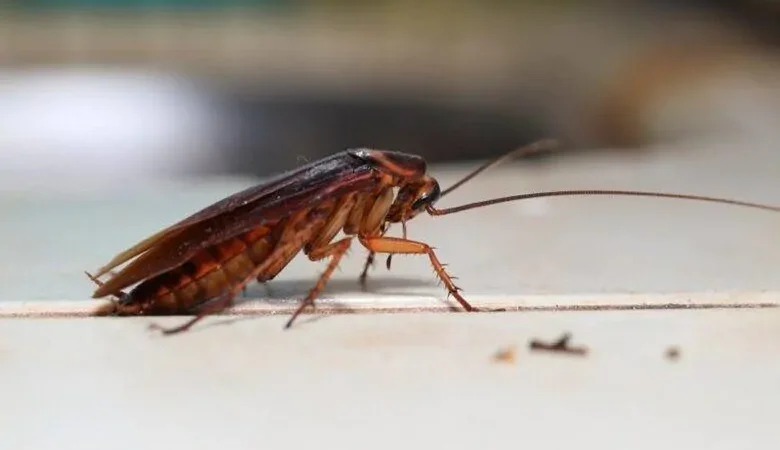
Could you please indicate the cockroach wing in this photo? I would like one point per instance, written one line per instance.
(311, 175)
(239, 213)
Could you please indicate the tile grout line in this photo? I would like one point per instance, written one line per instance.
(400, 304)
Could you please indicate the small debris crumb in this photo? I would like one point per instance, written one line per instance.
(672, 353)
(561, 345)
(505, 355)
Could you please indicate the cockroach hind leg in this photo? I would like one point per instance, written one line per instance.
(218, 306)
(173, 330)
(177, 329)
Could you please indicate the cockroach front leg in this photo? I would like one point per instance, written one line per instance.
(372, 256)
(335, 251)
(394, 246)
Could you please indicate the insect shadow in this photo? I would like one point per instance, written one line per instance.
(288, 292)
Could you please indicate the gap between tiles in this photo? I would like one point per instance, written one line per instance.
(395, 303)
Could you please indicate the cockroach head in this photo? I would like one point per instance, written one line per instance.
(413, 198)
(416, 189)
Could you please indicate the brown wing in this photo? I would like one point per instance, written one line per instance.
(268, 202)
(303, 178)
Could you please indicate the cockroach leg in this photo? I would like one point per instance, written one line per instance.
(364, 274)
(335, 251)
(404, 246)
(219, 305)
(372, 257)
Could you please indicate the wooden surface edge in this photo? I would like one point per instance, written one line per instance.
(399, 303)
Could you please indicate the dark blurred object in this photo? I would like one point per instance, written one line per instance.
(145, 4)
(447, 80)
(760, 16)
(682, 89)
(267, 135)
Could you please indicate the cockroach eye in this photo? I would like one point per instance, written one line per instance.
(427, 198)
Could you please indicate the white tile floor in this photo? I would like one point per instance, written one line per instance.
(420, 379)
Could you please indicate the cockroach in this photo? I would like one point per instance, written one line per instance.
(198, 265)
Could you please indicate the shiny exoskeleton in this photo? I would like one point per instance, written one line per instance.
(360, 202)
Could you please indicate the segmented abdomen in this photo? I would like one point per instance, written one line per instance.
(207, 275)
(215, 270)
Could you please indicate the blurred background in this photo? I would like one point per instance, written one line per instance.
(127, 89)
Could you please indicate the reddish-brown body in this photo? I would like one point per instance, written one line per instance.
(182, 277)
(254, 234)
(205, 276)
(216, 269)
